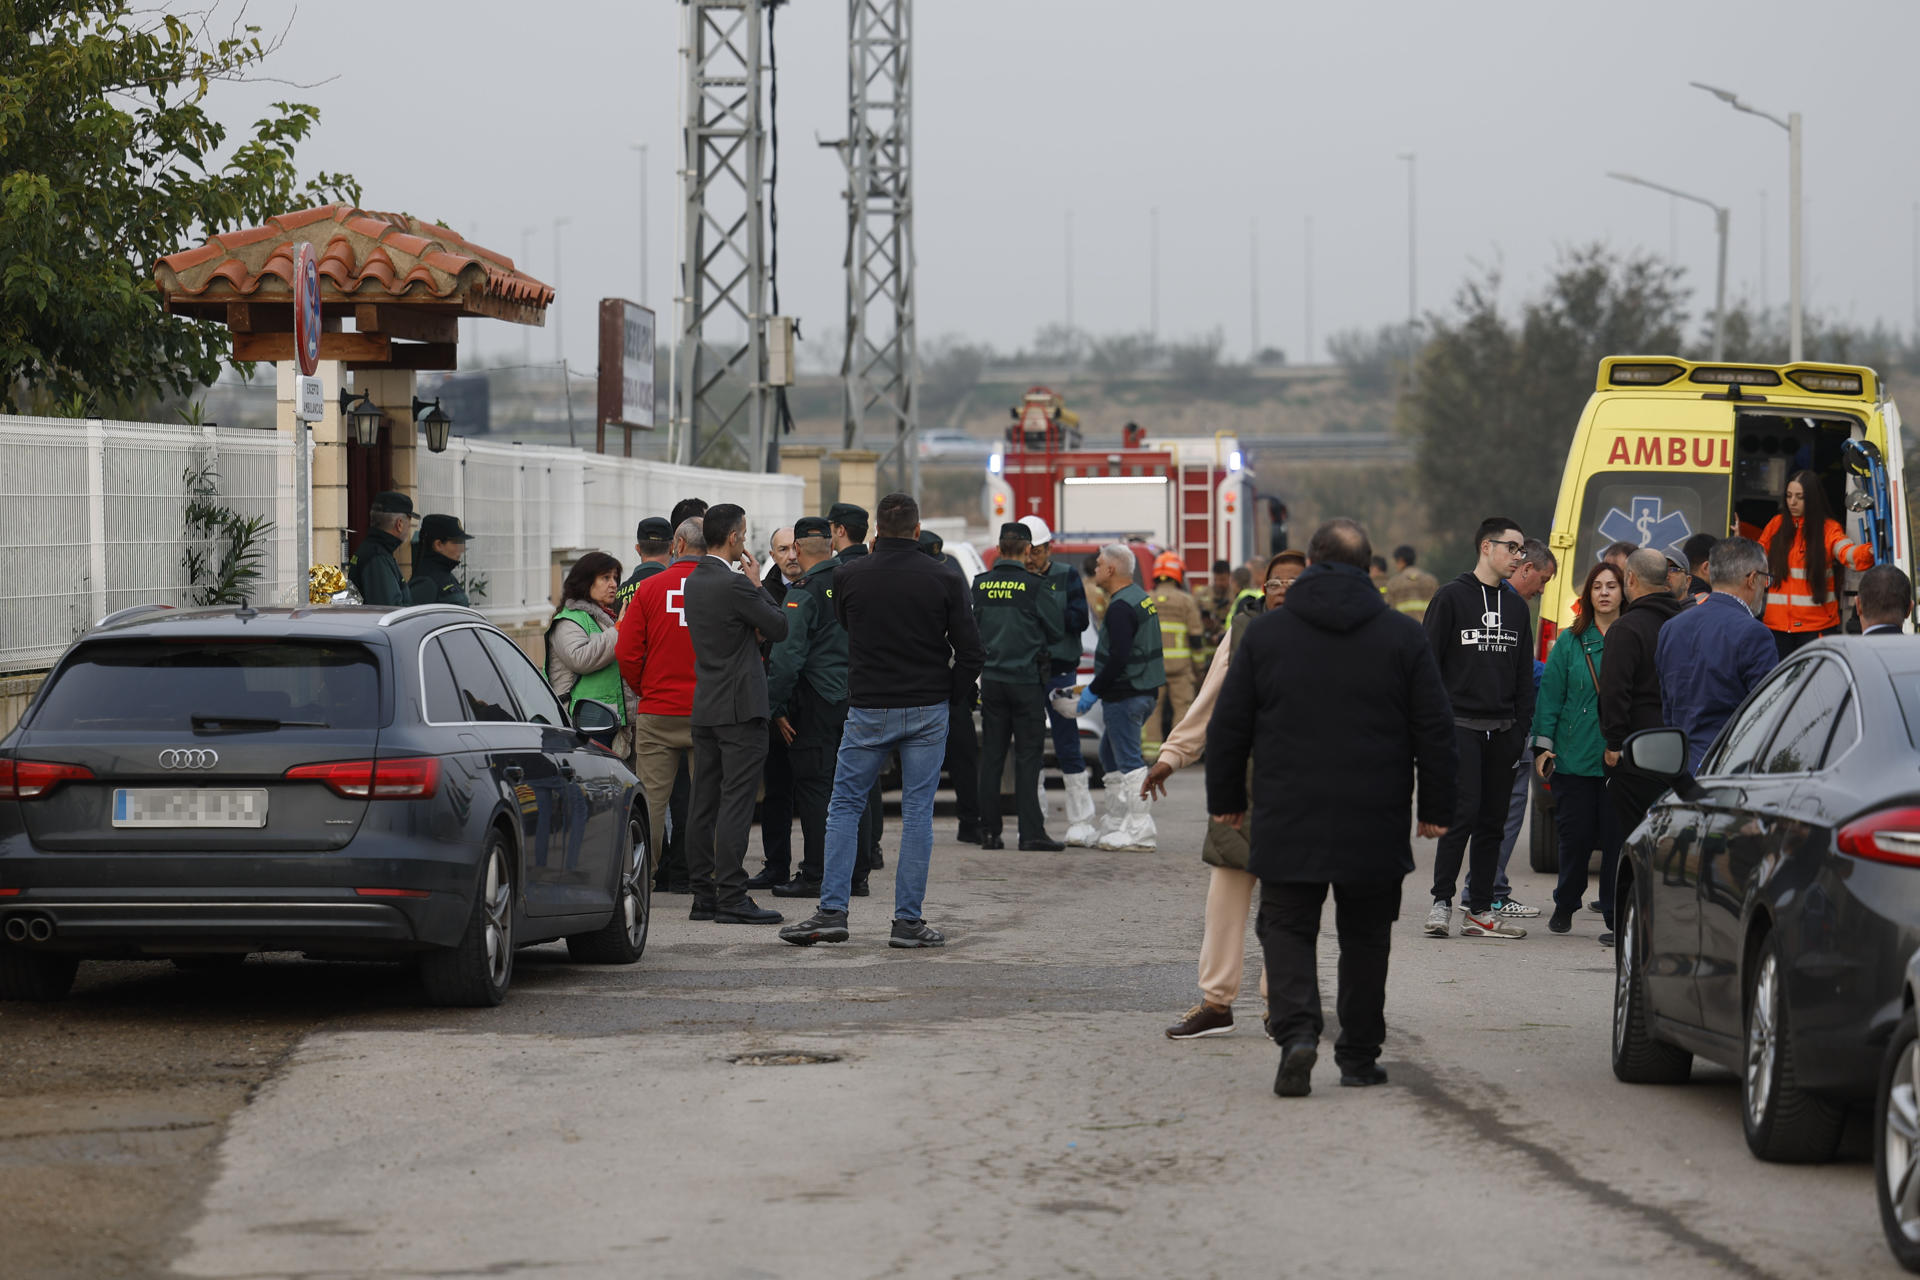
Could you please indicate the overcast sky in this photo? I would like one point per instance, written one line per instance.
(1232, 118)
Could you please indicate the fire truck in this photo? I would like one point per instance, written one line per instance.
(1190, 495)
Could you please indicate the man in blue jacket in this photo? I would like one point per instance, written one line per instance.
(1711, 656)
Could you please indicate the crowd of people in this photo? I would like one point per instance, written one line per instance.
(1338, 706)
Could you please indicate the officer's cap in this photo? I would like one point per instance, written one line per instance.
(812, 527)
(442, 528)
(653, 529)
(392, 503)
(845, 513)
(1017, 531)
(931, 543)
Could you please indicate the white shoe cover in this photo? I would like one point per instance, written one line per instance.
(1136, 829)
(1080, 810)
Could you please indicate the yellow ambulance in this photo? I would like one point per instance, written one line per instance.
(1668, 448)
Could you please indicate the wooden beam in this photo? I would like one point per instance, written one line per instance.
(260, 317)
(502, 309)
(414, 355)
(366, 348)
(398, 320)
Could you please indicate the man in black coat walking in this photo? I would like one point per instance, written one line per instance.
(1338, 700)
(1630, 692)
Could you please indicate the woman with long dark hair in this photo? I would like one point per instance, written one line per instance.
(1804, 546)
(1569, 749)
(581, 640)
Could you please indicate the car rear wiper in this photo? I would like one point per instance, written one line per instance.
(251, 724)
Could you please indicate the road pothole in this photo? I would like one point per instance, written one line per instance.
(781, 1058)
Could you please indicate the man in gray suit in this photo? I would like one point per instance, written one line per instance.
(728, 614)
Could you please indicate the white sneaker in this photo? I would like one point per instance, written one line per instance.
(1440, 918)
(1513, 910)
(1490, 925)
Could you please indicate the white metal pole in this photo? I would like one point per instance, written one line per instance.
(1306, 292)
(1413, 274)
(1720, 219)
(1153, 274)
(1795, 284)
(1253, 290)
(1069, 276)
(643, 225)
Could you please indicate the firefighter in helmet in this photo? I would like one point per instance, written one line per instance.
(1181, 627)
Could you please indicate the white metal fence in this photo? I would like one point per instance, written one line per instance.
(93, 519)
(522, 504)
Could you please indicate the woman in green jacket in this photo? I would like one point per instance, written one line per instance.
(1569, 749)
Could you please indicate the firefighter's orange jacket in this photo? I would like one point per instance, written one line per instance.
(1790, 605)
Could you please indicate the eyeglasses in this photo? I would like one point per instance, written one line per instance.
(1513, 548)
(1279, 584)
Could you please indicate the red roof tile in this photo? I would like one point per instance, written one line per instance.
(363, 257)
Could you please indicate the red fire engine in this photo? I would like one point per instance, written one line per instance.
(1192, 496)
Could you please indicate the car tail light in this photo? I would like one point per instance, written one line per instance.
(1548, 632)
(1892, 835)
(31, 779)
(405, 778)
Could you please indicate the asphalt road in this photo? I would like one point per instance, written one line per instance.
(1005, 1107)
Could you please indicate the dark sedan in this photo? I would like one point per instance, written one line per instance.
(347, 782)
(1769, 905)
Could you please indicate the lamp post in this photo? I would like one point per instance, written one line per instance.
(1413, 294)
(641, 147)
(1721, 217)
(1792, 125)
(559, 309)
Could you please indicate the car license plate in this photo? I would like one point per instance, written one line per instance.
(178, 807)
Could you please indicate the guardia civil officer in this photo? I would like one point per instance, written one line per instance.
(653, 543)
(848, 524)
(962, 763)
(442, 545)
(1019, 621)
(807, 693)
(372, 570)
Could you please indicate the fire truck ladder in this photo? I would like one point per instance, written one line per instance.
(1195, 495)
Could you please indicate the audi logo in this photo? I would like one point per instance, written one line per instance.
(189, 758)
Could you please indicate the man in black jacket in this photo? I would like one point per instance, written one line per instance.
(911, 645)
(1482, 637)
(1339, 701)
(727, 615)
(1630, 691)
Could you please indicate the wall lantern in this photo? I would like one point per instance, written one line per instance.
(361, 415)
(437, 423)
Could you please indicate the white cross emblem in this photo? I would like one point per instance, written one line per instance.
(677, 604)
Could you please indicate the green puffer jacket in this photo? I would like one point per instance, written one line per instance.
(1566, 717)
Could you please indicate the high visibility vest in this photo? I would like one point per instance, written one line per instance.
(1790, 604)
(602, 686)
(1176, 643)
(1145, 671)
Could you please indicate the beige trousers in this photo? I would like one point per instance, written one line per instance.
(1223, 947)
(1180, 688)
(659, 743)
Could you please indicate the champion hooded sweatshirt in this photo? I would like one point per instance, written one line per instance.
(1482, 637)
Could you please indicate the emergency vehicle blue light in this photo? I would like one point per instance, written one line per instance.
(1233, 460)
(993, 464)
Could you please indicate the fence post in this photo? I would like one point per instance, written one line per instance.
(97, 516)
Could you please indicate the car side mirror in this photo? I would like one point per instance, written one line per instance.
(1660, 754)
(590, 716)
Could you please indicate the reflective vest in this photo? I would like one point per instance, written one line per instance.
(1145, 671)
(1790, 604)
(602, 686)
(1178, 615)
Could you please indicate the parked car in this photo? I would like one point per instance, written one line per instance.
(1896, 1130)
(347, 782)
(954, 446)
(1767, 908)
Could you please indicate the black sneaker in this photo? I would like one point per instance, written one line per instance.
(822, 926)
(1594, 906)
(1561, 922)
(916, 933)
(767, 879)
(701, 911)
(1363, 1077)
(859, 888)
(992, 842)
(745, 911)
(969, 833)
(797, 888)
(1606, 939)
(1045, 844)
(1295, 1077)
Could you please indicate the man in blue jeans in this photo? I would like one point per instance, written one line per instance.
(912, 651)
(1127, 674)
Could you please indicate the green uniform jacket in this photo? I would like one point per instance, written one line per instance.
(1566, 716)
(373, 571)
(1071, 598)
(1019, 623)
(433, 581)
(1144, 670)
(641, 572)
(816, 644)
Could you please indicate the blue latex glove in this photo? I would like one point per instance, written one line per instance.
(1086, 701)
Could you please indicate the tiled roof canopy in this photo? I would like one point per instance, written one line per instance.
(397, 276)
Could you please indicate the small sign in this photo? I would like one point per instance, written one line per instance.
(306, 309)
(312, 401)
(626, 363)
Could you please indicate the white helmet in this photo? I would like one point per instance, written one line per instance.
(1038, 527)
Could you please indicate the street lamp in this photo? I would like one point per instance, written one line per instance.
(437, 423)
(362, 417)
(1792, 125)
(1720, 219)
